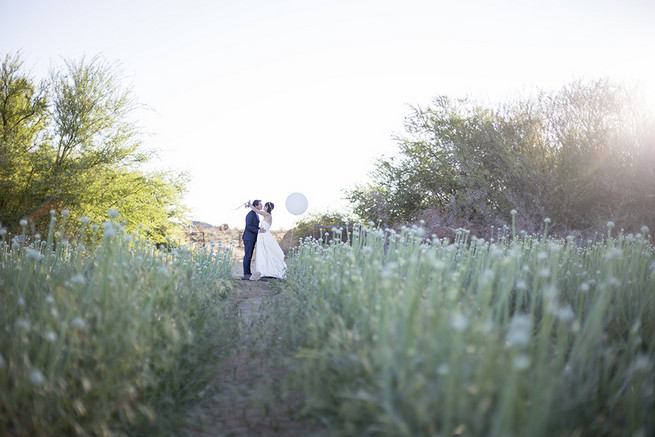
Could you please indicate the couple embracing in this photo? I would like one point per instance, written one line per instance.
(269, 259)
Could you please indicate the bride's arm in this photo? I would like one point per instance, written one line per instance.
(262, 212)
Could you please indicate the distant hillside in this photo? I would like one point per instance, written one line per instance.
(205, 233)
(202, 226)
(201, 232)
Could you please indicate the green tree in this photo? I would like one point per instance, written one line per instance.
(468, 162)
(78, 147)
(23, 119)
(147, 200)
(325, 220)
(581, 156)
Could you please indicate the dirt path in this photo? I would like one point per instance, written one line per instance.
(245, 397)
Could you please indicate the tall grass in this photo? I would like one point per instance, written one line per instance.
(396, 334)
(111, 339)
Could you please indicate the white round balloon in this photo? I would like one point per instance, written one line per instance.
(296, 203)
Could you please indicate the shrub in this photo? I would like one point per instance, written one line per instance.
(581, 156)
(527, 335)
(107, 338)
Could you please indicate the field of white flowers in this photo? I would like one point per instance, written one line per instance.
(387, 334)
(112, 338)
(396, 334)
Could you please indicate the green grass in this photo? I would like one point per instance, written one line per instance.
(389, 334)
(114, 338)
(395, 334)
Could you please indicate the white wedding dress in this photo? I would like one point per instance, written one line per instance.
(269, 258)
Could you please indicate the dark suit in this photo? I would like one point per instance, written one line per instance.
(249, 240)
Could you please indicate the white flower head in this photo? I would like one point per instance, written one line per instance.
(641, 364)
(613, 253)
(23, 222)
(520, 331)
(113, 213)
(388, 270)
(50, 336)
(547, 220)
(486, 277)
(164, 271)
(108, 229)
(22, 324)
(78, 279)
(521, 362)
(610, 224)
(85, 220)
(443, 369)
(513, 212)
(33, 255)
(37, 378)
(438, 264)
(644, 230)
(78, 323)
(458, 322)
(496, 252)
(65, 213)
(565, 313)
(551, 298)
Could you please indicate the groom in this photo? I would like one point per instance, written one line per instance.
(250, 238)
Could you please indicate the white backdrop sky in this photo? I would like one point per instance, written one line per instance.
(262, 98)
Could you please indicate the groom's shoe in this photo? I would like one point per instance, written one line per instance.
(245, 277)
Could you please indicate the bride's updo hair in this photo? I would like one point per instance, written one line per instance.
(269, 206)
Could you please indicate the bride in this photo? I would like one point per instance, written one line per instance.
(269, 258)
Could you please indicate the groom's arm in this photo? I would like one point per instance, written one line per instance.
(252, 224)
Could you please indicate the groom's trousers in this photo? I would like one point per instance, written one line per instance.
(249, 247)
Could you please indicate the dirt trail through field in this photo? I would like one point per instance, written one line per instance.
(245, 397)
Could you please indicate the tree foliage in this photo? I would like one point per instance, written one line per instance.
(581, 156)
(306, 227)
(72, 143)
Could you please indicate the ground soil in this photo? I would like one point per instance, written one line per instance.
(245, 397)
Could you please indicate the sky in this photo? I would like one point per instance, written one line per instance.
(258, 99)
